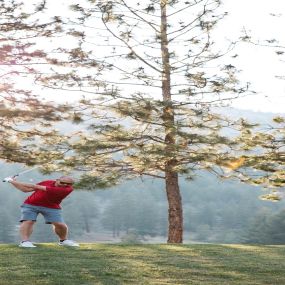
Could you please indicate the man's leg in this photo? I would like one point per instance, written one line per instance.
(61, 230)
(54, 217)
(26, 229)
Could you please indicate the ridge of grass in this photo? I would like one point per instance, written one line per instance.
(117, 264)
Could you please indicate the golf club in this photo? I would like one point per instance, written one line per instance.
(20, 173)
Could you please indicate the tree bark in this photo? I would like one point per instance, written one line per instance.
(175, 213)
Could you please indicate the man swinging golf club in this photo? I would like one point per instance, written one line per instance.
(45, 199)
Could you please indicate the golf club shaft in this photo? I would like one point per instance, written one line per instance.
(22, 172)
(25, 171)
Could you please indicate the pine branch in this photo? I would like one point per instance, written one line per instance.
(141, 18)
(130, 48)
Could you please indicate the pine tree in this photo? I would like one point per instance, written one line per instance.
(148, 95)
(160, 54)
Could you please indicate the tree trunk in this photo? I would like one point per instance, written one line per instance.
(175, 215)
(86, 223)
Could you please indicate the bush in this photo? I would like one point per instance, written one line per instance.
(132, 237)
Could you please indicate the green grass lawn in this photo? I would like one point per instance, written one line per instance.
(110, 264)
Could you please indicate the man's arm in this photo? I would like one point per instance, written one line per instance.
(27, 187)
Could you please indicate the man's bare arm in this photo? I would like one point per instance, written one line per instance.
(27, 187)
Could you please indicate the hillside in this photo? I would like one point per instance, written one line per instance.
(142, 264)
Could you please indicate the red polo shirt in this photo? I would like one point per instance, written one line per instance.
(51, 198)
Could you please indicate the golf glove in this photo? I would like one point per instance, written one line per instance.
(8, 179)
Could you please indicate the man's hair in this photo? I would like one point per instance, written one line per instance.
(66, 179)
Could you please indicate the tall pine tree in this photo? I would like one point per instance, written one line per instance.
(149, 74)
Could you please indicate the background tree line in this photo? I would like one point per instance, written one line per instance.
(214, 211)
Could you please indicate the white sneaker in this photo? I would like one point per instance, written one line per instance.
(68, 242)
(26, 244)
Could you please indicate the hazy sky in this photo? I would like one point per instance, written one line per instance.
(265, 21)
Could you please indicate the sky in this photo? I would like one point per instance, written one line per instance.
(260, 65)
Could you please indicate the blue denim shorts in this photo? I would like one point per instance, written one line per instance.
(30, 213)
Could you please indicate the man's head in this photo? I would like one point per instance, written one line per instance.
(64, 181)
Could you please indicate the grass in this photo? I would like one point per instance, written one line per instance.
(109, 264)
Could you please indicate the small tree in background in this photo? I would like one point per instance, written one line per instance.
(266, 228)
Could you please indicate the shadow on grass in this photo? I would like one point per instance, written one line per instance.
(225, 264)
(49, 264)
(109, 264)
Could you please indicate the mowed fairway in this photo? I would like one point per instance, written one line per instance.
(109, 264)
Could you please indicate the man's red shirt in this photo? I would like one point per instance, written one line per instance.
(51, 198)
